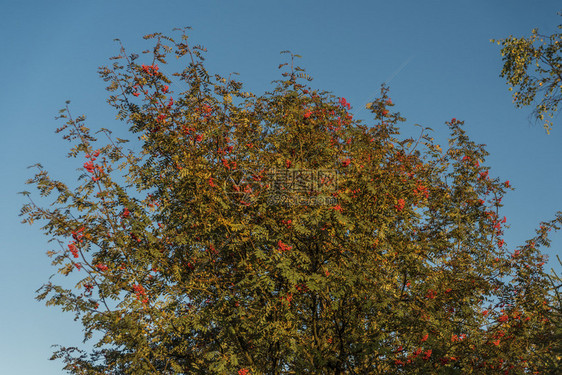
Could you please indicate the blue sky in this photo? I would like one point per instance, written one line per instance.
(436, 54)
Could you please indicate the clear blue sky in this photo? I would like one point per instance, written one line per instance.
(51, 51)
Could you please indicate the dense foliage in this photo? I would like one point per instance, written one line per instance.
(276, 234)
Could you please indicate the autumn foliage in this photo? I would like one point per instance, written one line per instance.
(188, 254)
(532, 66)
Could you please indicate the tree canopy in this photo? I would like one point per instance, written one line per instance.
(276, 234)
(533, 68)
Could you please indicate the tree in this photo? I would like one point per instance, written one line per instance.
(543, 54)
(533, 66)
(275, 234)
(553, 359)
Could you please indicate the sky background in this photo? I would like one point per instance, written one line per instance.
(436, 54)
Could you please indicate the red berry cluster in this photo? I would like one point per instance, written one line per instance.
(140, 292)
(282, 247)
(78, 235)
(95, 169)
